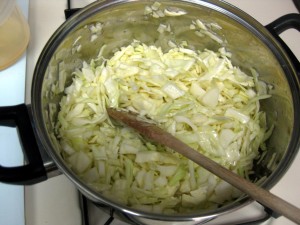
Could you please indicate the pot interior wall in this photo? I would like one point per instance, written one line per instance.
(123, 23)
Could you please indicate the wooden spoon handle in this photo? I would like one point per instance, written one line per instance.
(160, 136)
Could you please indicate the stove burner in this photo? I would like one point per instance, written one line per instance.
(84, 202)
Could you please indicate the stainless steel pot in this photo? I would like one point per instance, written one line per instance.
(251, 44)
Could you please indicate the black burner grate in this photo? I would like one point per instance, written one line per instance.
(70, 11)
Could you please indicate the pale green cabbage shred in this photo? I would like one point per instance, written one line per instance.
(198, 96)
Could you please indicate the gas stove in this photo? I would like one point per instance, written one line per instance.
(57, 201)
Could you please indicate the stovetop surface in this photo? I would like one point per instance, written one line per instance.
(56, 201)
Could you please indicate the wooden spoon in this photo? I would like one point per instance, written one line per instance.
(160, 136)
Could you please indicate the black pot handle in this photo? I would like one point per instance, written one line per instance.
(33, 171)
(289, 21)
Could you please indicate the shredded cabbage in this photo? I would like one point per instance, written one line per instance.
(157, 10)
(198, 96)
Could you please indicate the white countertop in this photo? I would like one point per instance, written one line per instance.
(55, 201)
(12, 91)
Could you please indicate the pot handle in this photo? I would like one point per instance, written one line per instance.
(282, 24)
(34, 171)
